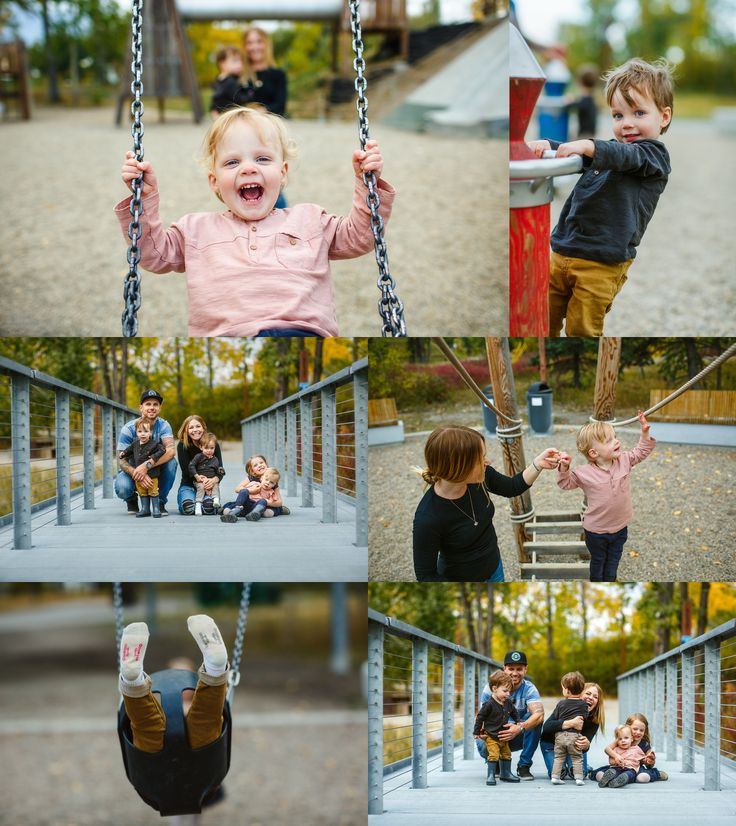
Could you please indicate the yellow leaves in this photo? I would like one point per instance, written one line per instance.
(676, 513)
(634, 553)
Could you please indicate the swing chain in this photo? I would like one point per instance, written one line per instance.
(132, 287)
(390, 306)
(117, 601)
(234, 678)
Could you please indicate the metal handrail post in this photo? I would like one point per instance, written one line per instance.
(659, 707)
(291, 444)
(329, 455)
(712, 700)
(671, 693)
(20, 434)
(278, 451)
(419, 658)
(468, 707)
(448, 711)
(88, 452)
(375, 718)
(244, 433)
(360, 403)
(688, 711)
(63, 460)
(107, 453)
(307, 435)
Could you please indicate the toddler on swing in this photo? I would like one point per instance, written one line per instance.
(255, 270)
(603, 220)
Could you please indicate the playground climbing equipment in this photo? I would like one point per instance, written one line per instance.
(390, 307)
(178, 780)
(531, 193)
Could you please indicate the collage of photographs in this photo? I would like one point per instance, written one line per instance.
(368, 412)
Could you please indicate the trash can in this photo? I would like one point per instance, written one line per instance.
(489, 417)
(539, 407)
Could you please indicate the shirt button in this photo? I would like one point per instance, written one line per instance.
(254, 229)
(597, 172)
(292, 241)
(253, 247)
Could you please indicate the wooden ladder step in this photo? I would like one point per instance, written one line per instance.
(556, 516)
(549, 546)
(554, 527)
(546, 570)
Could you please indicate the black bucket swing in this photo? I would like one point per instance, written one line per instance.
(179, 780)
(390, 307)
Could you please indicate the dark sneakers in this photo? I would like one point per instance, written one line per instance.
(618, 781)
(523, 773)
(608, 776)
(285, 511)
(132, 504)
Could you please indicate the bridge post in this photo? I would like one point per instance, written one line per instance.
(483, 670)
(688, 711)
(278, 448)
(360, 397)
(20, 434)
(119, 425)
(468, 707)
(340, 655)
(329, 456)
(448, 710)
(649, 693)
(672, 709)
(271, 436)
(375, 717)
(107, 453)
(712, 702)
(419, 651)
(305, 414)
(244, 432)
(88, 452)
(291, 446)
(63, 461)
(659, 707)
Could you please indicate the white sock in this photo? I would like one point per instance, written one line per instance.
(207, 636)
(132, 650)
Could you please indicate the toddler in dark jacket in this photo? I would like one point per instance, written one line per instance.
(205, 465)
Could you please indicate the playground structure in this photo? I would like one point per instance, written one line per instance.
(65, 452)
(426, 689)
(542, 536)
(530, 198)
(15, 83)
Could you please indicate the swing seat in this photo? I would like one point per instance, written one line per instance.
(177, 780)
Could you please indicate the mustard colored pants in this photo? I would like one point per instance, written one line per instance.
(203, 721)
(152, 491)
(581, 293)
(497, 750)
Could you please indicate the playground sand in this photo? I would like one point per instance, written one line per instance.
(62, 256)
(682, 494)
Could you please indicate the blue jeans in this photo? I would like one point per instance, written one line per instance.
(605, 554)
(125, 486)
(186, 494)
(497, 575)
(280, 202)
(527, 741)
(548, 753)
(278, 332)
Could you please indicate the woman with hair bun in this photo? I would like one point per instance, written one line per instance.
(454, 538)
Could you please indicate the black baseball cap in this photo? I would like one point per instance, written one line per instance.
(515, 658)
(151, 394)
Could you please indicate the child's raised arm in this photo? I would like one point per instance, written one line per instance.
(133, 168)
(369, 160)
(645, 426)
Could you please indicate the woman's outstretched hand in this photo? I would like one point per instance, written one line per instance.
(548, 459)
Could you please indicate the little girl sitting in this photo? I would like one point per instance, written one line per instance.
(255, 270)
(263, 500)
(624, 757)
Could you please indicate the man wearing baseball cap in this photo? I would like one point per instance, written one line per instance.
(525, 697)
(128, 475)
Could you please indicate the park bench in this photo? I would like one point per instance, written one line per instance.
(384, 425)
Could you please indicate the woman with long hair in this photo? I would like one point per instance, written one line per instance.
(264, 83)
(454, 538)
(191, 431)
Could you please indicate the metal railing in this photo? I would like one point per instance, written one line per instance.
(688, 695)
(320, 436)
(58, 441)
(422, 700)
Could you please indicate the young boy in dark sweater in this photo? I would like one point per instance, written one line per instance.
(572, 706)
(227, 89)
(145, 449)
(491, 718)
(603, 220)
(205, 465)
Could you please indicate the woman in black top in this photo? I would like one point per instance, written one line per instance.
(189, 435)
(454, 538)
(588, 728)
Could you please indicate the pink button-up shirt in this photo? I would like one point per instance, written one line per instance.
(632, 756)
(607, 489)
(244, 277)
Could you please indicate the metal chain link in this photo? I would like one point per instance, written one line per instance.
(117, 601)
(234, 677)
(132, 287)
(390, 307)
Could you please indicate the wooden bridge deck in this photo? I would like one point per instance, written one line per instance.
(107, 544)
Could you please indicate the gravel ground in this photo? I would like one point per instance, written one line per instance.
(684, 266)
(683, 499)
(62, 258)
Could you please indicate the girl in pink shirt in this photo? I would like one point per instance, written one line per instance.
(605, 482)
(625, 759)
(255, 270)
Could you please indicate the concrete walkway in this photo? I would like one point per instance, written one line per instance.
(107, 544)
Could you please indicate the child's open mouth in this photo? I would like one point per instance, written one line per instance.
(251, 193)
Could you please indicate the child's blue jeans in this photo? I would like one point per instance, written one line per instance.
(605, 554)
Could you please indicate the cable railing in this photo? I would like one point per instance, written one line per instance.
(688, 694)
(422, 700)
(57, 441)
(319, 437)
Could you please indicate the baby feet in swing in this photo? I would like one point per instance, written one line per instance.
(207, 636)
(132, 650)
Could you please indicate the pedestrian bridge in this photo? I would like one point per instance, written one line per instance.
(424, 769)
(65, 522)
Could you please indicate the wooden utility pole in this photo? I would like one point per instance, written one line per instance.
(609, 356)
(542, 360)
(502, 381)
